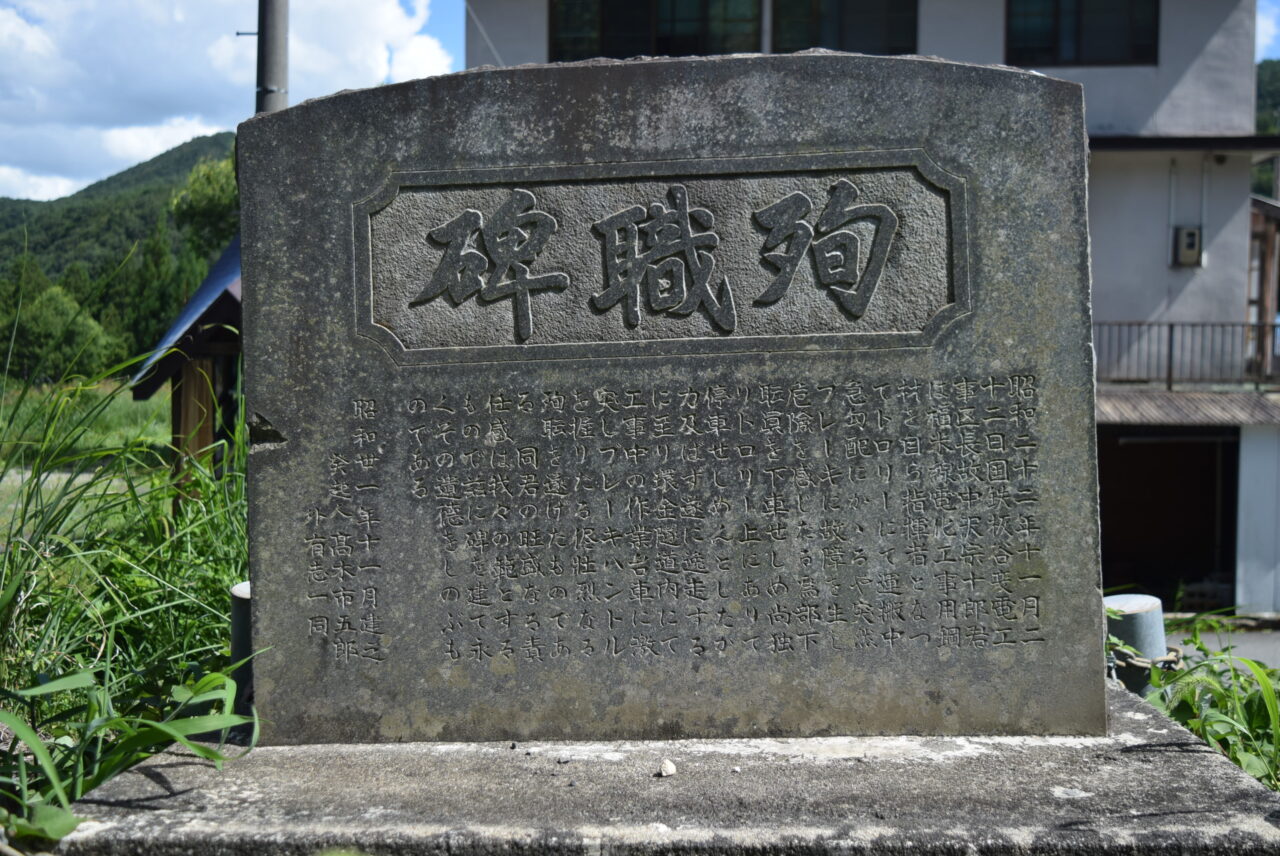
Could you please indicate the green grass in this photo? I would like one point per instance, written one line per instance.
(113, 606)
(1229, 702)
(118, 421)
(12, 489)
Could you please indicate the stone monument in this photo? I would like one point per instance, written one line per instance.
(722, 397)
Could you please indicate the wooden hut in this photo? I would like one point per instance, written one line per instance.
(200, 355)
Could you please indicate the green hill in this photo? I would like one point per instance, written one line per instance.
(98, 276)
(169, 169)
(98, 225)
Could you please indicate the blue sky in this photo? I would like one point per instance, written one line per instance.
(448, 24)
(1268, 30)
(90, 87)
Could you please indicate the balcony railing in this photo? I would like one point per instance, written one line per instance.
(1178, 353)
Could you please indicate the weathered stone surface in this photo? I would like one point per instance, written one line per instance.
(728, 397)
(1150, 787)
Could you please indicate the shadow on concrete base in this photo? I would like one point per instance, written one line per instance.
(1149, 787)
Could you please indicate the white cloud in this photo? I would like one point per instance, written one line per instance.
(344, 45)
(22, 37)
(421, 56)
(1268, 23)
(235, 57)
(127, 79)
(19, 184)
(32, 66)
(143, 142)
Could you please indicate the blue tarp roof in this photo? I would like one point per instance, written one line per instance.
(223, 278)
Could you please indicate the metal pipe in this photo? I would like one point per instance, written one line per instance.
(242, 647)
(1139, 623)
(766, 26)
(273, 56)
(1173, 207)
(1204, 207)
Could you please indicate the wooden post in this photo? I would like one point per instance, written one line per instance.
(192, 415)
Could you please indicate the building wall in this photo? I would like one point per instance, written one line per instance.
(1203, 85)
(517, 28)
(962, 30)
(1132, 237)
(1258, 536)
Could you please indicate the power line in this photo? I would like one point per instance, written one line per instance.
(484, 34)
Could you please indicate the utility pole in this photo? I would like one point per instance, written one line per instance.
(273, 56)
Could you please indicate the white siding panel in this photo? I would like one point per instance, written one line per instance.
(1258, 532)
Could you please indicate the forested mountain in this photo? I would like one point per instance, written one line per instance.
(99, 224)
(170, 168)
(98, 276)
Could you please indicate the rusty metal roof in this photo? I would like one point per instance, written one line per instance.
(1119, 406)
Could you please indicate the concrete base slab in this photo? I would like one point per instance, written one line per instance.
(1149, 787)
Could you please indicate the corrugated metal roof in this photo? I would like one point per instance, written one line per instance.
(1256, 143)
(1161, 407)
(1266, 204)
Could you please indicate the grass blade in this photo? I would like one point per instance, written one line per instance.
(38, 751)
(68, 682)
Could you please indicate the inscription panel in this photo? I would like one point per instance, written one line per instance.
(867, 253)
(729, 519)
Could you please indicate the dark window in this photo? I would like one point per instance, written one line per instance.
(581, 29)
(1167, 499)
(864, 26)
(1082, 32)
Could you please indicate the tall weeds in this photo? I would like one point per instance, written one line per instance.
(113, 605)
(1229, 702)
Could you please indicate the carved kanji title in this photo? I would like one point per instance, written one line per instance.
(660, 257)
(844, 250)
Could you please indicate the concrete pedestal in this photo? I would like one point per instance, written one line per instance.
(1149, 787)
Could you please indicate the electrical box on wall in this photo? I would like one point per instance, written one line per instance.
(1187, 249)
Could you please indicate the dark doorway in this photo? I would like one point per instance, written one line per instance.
(1168, 508)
